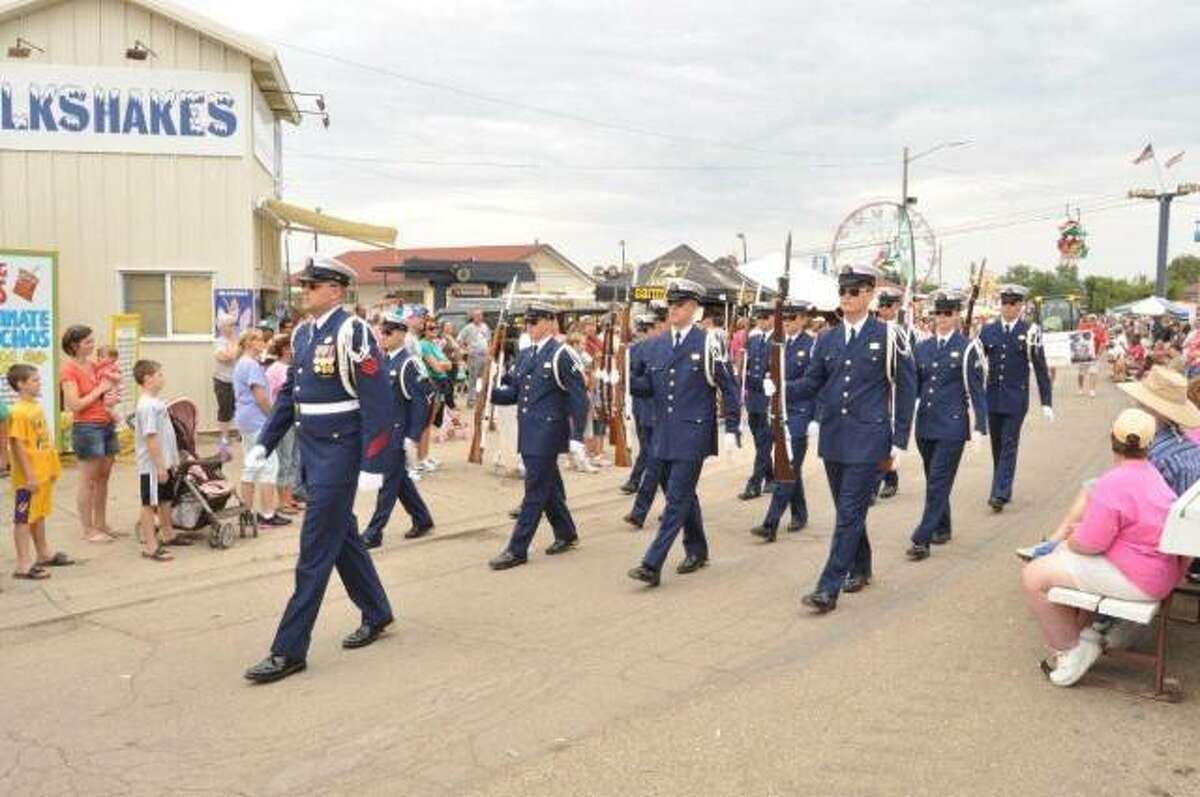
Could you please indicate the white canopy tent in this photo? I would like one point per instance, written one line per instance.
(805, 283)
(1152, 306)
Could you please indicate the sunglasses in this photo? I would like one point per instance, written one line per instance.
(790, 316)
(312, 286)
(944, 312)
(1010, 301)
(849, 290)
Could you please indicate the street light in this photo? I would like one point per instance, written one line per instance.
(622, 242)
(905, 201)
(742, 236)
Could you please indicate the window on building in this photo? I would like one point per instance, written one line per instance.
(171, 305)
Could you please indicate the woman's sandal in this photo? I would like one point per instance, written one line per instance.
(34, 573)
(160, 554)
(59, 559)
(99, 538)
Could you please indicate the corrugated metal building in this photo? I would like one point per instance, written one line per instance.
(139, 140)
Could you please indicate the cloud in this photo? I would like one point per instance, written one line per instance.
(664, 123)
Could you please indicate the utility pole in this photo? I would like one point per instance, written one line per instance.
(742, 236)
(1164, 199)
(622, 255)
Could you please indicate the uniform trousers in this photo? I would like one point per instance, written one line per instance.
(790, 494)
(852, 485)
(397, 485)
(940, 458)
(544, 493)
(645, 436)
(760, 429)
(1005, 434)
(679, 479)
(652, 480)
(329, 539)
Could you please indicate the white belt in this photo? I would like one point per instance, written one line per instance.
(328, 408)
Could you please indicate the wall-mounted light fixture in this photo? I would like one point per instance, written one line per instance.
(23, 48)
(139, 51)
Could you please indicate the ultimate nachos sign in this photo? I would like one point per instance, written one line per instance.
(146, 111)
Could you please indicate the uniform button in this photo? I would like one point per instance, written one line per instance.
(847, 377)
(843, 410)
(524, 409)
(299, 370)
(335, 435)
(848, 362)
(672, 371)
(845, 395)
(931, 391)
(670, 409)
(671, 384)
(670, 397)
(297, 423)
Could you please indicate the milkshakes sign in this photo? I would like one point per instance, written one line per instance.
(147, 111)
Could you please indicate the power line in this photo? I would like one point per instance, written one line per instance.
(545, 111)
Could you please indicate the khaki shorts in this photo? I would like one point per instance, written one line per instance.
(1098, 574)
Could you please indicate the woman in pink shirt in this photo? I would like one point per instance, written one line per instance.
(1113, 550)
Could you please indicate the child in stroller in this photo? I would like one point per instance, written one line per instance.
(202, 494)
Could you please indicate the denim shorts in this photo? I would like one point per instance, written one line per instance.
(94, 440)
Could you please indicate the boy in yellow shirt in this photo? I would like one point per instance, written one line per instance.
(35, 466)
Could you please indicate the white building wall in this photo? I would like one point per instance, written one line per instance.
(105, 213)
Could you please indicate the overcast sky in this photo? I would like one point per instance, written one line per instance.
(585, 123)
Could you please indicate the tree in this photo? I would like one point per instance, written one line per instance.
(1182, 272)
(1103, 293)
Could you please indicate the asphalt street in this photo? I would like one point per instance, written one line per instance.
(563, 677)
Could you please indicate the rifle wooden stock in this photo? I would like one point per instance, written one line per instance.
(976, 286)
(475, 453)
(779, 441)
(617, 433)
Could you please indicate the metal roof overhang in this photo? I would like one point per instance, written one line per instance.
(294, 217)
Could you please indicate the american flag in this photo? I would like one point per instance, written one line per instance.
(1171, 161)
(1146, 155)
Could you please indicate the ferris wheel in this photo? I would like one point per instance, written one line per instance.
(881, 234)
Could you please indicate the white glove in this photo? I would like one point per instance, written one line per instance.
(895, 452)
(410, 451)
(1048, 413)
(768, 386)
(614, 376)
(255, 458)
(731, 441)
(369, 482)
(814, 428)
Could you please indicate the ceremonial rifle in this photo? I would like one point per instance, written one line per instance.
(976, 286)
(780, 442)
(617, 434)
(491, 373)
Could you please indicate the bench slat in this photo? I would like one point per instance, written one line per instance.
(1137, 611)
(1073, 597)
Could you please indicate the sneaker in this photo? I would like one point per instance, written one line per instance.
(1074, 663)
(1091, 394)
(1031, 552)
(273, 520)
(429, 465)
(436, 463)
(414, 474)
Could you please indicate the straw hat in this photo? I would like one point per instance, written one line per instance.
(1134, 427)
(1165, 392)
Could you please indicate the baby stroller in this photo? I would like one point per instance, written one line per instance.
(202, 494)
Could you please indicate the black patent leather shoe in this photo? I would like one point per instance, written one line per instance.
(691, 564)
(917, 552)
(819, 602)
(996, 504)
(561, 546)
(644, 574)
(372, 541)
(274, 668)
(506, 560)
(364, 635)
(749, 494)
(797, 525)
(629, 488)
(888, 491)
(940, 537)
(764, 532)
(417, 531)
(856, 583)
(631, 520)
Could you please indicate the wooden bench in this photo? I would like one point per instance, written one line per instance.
(1180, 537)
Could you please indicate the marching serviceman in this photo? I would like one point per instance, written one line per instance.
(338, 399)
(862, 373)
(888, 302)
(411, 388)
(643, 408)
(950, 383)
(1012, 346)
(758, 350)
(652, 476)
(684, 370)
(798, 414)
(546, 385)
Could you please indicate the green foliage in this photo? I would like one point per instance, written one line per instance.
(1182, 271)
(1096, 293)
